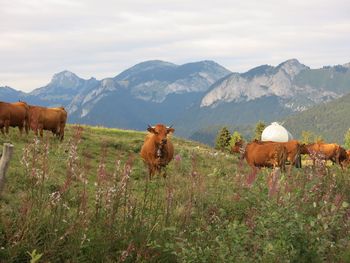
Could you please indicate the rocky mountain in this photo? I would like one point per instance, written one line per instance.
(192, 96)
(265, 93)
(63, 88)
(151, 91)
(290, 81)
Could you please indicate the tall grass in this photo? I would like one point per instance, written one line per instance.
(90, 200)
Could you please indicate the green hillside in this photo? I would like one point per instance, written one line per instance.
(330, 120)
(88, 199)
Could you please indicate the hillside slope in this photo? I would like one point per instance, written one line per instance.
(330, 120)
(89, 199)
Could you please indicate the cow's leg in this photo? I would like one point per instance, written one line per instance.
(20, 128)
(2, 127)
(41, 129)
(7, 126)
(150, 171)
(162, 171)
(62, 132)
(298, 161)
(26, 126)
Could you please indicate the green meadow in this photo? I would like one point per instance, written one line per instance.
(89, 199)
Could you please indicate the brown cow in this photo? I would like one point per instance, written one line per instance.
(259, 154)
(157, 150)
(293, 149)
(14, 115)
(51, 119)
(292, 146)
(324, 151)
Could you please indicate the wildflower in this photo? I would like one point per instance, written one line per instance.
(55, 197)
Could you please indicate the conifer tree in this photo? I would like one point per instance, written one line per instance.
(259, 127)
(223, 139)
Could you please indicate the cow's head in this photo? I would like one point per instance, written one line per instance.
(238, 147)
(304, 148)
(160, 133)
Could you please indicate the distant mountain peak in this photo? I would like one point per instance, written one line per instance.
(150, 64)
(292, 67)
(260, 70)
(64, 75)
(347, 65)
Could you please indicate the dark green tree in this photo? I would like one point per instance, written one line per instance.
(259, 127)
(223, 139)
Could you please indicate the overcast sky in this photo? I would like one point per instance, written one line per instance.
(101, 38)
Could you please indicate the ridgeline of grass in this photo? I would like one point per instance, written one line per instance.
(89, 199)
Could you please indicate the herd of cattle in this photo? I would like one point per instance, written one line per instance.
(22, 115)
(276, 154)
(157, 150)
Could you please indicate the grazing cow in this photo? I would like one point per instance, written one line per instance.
(14, 115)
(344, 158)
(50, 119)
(157, 150)
(260, 154)
(293, 149)
(292, 146)
(324, 151)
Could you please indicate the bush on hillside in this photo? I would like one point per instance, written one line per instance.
(223, 139)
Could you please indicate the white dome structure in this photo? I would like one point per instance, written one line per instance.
(276, 133)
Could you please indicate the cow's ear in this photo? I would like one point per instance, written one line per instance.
(170, 130)
(151, 129)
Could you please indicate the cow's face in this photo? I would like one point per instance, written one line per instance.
(160, 133)
(237, 148)
(304, 149)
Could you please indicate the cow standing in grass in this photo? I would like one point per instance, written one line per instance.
(51, 119)
(14, 115)
(260, 154)
(325, 151)
(293, 150)
(157, 150)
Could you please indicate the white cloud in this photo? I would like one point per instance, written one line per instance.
(102, 38)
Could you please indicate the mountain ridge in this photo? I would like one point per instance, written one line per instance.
(192, 96)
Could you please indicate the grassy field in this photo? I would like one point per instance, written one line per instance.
(89, 199)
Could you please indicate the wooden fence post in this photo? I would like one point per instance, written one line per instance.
(4, 163)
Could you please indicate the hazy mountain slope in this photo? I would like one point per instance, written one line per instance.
(265, 93)
(10, 95)
(151, 91)
(231, 114)
(330, 120)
